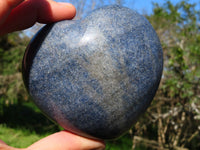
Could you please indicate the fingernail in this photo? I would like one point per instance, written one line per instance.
(70, 7)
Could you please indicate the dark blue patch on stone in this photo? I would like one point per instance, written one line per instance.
(95, 76)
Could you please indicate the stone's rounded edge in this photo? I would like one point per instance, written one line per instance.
(35, 44)
(31, 51)
(110, 8)
(116, 10)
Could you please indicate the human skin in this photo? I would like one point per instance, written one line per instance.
(17, 15)
(21, 14)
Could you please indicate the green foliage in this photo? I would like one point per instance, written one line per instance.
(20, 126)
(12, 90)
(123, 143)
(20, 138)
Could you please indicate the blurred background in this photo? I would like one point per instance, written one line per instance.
(172, 122)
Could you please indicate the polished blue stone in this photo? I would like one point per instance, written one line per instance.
(95, 76)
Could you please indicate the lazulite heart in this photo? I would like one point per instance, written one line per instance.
(95, 76)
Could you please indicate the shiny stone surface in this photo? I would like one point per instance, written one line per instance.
(95, 76)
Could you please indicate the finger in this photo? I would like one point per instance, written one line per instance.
(66, 140)
(30, 11)
(6, 6)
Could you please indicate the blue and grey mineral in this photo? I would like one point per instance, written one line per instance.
(95, 76)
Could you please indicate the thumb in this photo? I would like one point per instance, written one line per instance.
(66, 140)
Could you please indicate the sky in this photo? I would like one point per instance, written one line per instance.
(145, 6)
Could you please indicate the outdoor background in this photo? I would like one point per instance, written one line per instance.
(173, 119)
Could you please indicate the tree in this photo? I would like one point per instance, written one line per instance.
(12, 47)
(175, 112)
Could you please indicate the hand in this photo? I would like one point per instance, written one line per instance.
(61, 141)
(21, 14)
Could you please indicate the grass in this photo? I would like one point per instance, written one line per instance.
(123, 143)
(20, 138)
(22, 125)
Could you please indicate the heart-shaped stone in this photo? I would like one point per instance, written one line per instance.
(96, 75)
